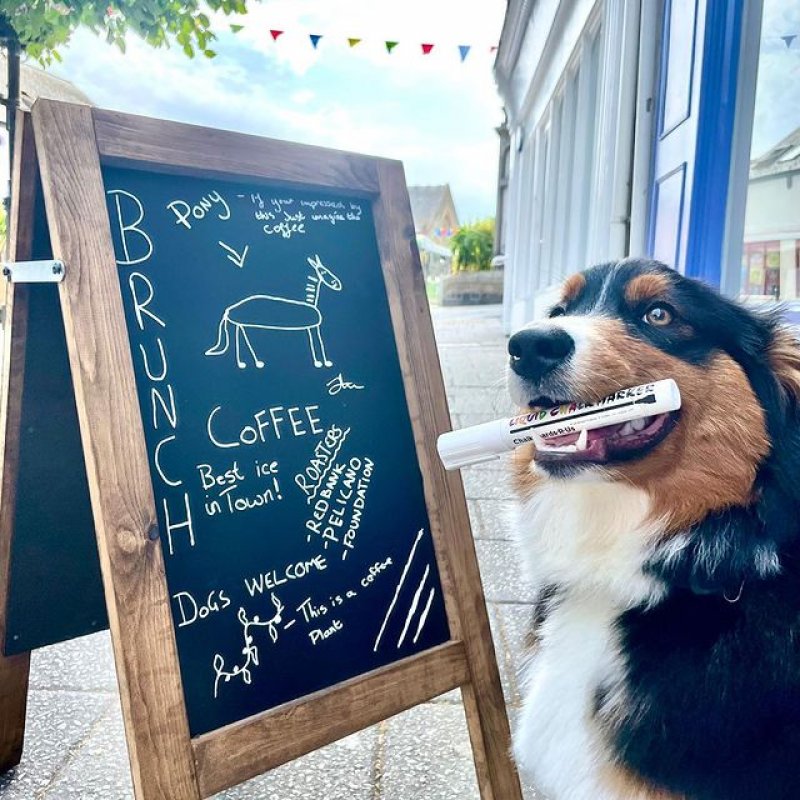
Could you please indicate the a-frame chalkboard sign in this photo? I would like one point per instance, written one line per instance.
(221, 368)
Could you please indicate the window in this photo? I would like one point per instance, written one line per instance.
(770, 244)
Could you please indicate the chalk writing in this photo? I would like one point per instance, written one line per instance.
(325, 452)
(339, 384)
(211, 202)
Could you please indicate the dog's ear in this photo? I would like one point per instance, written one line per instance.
(784, 359)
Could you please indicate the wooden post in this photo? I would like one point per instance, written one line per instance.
(162, 762)
(14, 669)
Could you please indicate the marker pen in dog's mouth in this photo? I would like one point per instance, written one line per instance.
(491, 439)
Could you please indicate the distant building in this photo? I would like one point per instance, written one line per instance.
(434, 212)
(34, 83)
(771, 254)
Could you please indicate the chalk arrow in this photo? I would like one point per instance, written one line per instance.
(237, 258)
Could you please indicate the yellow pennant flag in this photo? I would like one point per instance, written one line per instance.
(353, 42)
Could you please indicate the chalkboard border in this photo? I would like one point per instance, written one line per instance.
(72, 143)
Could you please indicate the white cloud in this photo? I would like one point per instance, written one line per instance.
(433, 112)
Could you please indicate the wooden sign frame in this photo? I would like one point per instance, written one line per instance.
(72, 142)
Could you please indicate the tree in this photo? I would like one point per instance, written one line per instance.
(472, 245)
(42, 26)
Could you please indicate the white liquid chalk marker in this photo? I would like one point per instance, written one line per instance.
(491, 439)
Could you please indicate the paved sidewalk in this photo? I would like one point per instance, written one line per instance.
(75, 746)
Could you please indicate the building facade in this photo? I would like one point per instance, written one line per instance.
(651, 127)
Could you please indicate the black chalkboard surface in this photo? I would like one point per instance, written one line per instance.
(290, 502)
(55, 590)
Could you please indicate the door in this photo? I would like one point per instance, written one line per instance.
(693, 134)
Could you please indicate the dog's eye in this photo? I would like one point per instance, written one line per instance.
(558, 311)
(659, 316)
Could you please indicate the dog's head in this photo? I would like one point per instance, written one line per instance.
(622, 324)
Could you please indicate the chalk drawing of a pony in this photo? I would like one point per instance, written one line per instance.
(266, 312)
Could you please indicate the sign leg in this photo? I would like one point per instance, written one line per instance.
(13, 702)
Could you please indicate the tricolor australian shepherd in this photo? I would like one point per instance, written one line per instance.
(665, 553)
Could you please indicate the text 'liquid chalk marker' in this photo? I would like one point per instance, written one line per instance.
(491, 439)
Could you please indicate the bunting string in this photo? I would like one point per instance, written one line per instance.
(390, 45)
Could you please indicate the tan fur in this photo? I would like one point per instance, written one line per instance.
(523, 478)
(646, 287)
(784, 358)
(624, 785)
(573, 286)
(709, 461)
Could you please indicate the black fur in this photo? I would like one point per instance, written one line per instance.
(712, 686)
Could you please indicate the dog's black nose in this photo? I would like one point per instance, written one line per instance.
(534, 352)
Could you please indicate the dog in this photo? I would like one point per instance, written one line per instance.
(666, 555)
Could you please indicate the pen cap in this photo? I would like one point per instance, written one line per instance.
(472, 445)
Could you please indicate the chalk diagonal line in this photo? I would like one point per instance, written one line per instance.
(424, 616)
(414, 604)
(397, 590)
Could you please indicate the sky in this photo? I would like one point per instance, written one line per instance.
(433, 112)
(777, 109)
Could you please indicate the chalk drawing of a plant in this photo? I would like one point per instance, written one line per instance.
(250, 650)
(267, 312)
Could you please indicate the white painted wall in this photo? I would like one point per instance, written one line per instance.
(571, 103)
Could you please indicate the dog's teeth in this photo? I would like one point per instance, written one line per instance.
(639, 424)
(583, 440)
(626, 429)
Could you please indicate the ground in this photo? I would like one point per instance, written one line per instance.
(75, 747)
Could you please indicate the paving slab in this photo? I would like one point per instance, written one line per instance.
(500, 572)
(428, 755)
(58, 722)
(81, 664)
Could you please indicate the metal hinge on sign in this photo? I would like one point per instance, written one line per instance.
(34, 271)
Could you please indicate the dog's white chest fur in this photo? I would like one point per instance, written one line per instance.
(590, 539)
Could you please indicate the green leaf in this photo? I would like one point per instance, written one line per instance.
(209, 53)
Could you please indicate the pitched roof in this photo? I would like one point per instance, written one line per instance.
(782, 157)
(426, 201)
(35, 82)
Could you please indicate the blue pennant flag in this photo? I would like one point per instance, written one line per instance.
(463, 50)
(788, 39)
(315, 37)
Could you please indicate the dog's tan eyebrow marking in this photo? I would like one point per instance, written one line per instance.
(572, 287)
(646, 287)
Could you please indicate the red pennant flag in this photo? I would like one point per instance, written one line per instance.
(275, 35)
(493, 48)
(426, 49)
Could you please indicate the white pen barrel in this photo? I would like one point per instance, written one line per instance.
(491, 439)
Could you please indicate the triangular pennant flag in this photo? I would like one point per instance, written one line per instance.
(390, 46)
(463, 50)
(493, 48)
(787, 40)
(353, 42)
(315, 37)
(426, 49)
(275, 35)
